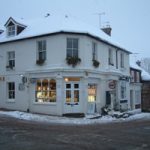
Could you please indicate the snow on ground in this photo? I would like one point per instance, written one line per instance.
(88, 119)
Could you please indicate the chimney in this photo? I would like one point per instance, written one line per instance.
(107, 30)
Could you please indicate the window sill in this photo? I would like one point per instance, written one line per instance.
(10, 101)
(10, 69)
(45, 103)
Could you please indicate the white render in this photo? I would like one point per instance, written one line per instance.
(56, 68)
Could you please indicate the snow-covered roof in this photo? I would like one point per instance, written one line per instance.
(56, 24)
(16, 21)
(144, 75)
(135, 66)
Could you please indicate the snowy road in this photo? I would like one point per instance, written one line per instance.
(17, 134)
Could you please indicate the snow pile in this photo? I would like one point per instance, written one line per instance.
(89, 119)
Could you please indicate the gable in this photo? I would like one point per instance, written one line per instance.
(13, 27)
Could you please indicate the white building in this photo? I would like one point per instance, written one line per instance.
(57, 65)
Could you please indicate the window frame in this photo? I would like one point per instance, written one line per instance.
(41, 50)
(46, 91)
(11, 30)
(11, 92)
(122, 63)
(11, 59)
(71, 50)
(110, 57)
(94, 51)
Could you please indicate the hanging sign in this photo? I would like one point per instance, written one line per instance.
(112, 84)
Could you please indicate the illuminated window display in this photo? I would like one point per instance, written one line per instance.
(45, 90)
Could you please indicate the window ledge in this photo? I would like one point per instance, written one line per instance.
(45, 103)
(10, 101)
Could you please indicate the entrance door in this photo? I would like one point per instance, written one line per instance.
(72, 97)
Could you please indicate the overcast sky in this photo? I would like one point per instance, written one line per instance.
(129, 19)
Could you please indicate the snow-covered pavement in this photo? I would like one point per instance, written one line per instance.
(88, 119)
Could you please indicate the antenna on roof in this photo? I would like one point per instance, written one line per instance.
(47, 15)
(100, 18)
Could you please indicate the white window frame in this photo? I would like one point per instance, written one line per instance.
(94, 51)
(11, 30)
(110, 57)
(39, 96)
(122, 60)
(41, 51)
(11, 59)
(72, 51)
(11, 91)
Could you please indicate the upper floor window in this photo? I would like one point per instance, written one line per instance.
(41, 51)
(94, 51)
(72, 47)
(11, 59)
(137, 76)
(110, 57)
(122, 60)
(11, 90)
(132, 76)
(11, 31)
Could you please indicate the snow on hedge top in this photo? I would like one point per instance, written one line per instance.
(57, 23)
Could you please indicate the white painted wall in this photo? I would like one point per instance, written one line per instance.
(25, 60)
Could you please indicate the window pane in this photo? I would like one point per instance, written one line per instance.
(72, 47)
(11, 90)
(52, 84)
(75, 53)
(75, 43)
(92, 92)
(68, 86)
(40, 45)
(76, 96)
(69, 43)
(76, 86)
(69, 52)
(68, 96)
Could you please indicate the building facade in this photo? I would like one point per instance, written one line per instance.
(135, 88)
(66, 69)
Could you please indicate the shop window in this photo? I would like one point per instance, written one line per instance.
(92, 92)
(45, 91)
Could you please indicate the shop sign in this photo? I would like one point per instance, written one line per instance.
(112, 84)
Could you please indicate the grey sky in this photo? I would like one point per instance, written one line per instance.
(129, 19)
